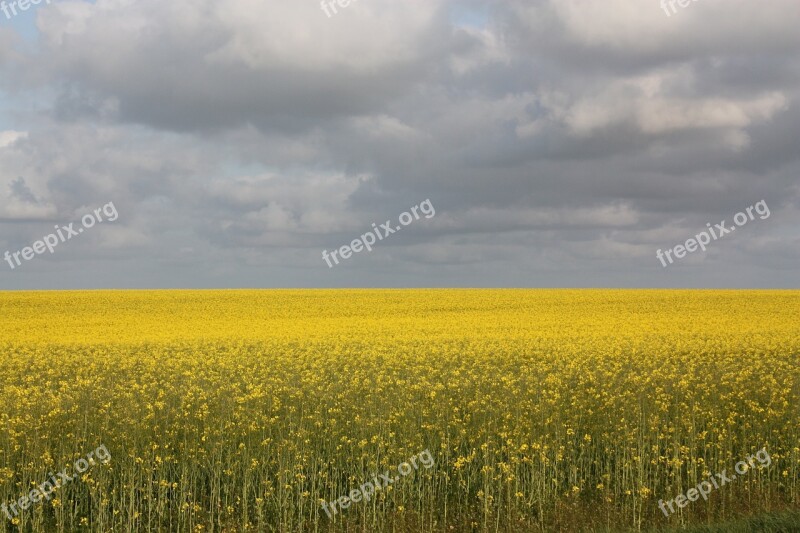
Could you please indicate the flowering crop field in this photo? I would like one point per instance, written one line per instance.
(543, 410)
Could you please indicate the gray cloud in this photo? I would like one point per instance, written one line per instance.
(562, 142)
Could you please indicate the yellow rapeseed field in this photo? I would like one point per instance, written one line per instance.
(545, 410)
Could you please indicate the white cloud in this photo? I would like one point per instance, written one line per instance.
(7, 138)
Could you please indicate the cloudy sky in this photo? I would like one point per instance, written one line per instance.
(561, 142)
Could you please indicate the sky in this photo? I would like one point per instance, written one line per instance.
(561, 143)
